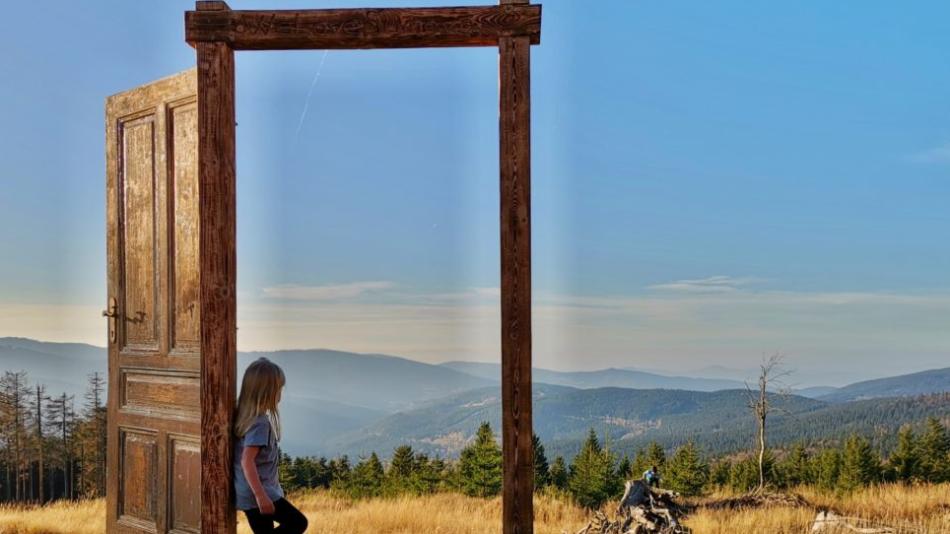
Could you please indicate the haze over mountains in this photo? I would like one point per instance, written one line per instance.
(345, 403)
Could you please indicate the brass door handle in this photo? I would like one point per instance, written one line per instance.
(111, 313)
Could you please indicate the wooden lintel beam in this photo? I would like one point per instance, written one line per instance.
(325, 29)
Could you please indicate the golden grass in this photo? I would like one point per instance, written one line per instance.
(61, 517)
(443, 513)
(917, 509)
(909, 509)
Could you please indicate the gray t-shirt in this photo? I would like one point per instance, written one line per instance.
(260, 434)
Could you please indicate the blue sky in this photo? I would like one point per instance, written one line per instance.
(712, 181)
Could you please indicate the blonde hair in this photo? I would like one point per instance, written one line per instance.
(260, 388)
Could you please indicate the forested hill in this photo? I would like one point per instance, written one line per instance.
(720, 422)
(601, 378)
(922, 383)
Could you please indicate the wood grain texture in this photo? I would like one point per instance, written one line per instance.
(325, 29)
(515, 153)
(144, 411)
(218, 263)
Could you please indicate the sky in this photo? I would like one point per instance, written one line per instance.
(712, 182)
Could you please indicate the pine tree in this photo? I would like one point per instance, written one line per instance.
(401, 469)
(687, 472)
(719, 477)
(340, 472)
(286, 472)
(623, 468)
(541, 468)
(794, 469)
(827, 468)
(904, 463)
(744, 474)
(426, 474)
(656, 457)
(640, 464)
(366, 479)
(935, 452)
(593, 480)
(558, 473)
(480, 465)
(859, 464)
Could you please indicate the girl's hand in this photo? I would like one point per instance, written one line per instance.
(265, 505)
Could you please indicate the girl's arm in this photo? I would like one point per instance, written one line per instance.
(254, 480)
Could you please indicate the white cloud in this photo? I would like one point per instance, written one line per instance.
(712, 284)
(940, 154)
(830, 335)
(325, 292)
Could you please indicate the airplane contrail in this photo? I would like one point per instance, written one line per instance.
(306, 104)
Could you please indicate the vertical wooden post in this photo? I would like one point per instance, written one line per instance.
(218, 262)
(515, 152)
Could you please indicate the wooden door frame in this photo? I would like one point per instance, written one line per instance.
(216, 32)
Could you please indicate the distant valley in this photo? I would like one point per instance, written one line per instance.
(346, 403)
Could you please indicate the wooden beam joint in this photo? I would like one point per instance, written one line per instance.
(325, 29)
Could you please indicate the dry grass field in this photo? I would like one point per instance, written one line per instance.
(905, 509)
(917, 509)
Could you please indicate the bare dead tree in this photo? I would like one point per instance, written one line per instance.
(61, 421)
(771, 373)
(15, 391)
(95, 414)
(38, 420)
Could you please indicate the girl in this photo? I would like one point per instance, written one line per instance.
(257, 428)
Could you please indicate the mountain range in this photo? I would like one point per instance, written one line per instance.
(347, 403)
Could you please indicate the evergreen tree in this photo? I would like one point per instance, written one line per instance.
(904, 462)
(656, 457)
(340, 472)
(401, 469)
(859, 464)
(686, 471)
(480, 465)
(719, 477)
(935, 452)
(403, 463)
(366, 479)
(744, 474)
(541, 468)
(623, 468)
(426, 475)
(795, 468)
(593, 480)
(827, 468)
(558, 473)
(640, 464)
(286, 472)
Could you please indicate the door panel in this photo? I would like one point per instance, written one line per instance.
(154, 361)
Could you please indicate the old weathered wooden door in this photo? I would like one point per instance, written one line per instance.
(154, 466)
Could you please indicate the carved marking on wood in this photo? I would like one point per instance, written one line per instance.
(364, 28)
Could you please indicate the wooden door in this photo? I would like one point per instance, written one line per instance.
(154, 454)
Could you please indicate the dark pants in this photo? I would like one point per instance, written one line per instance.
(289, 519)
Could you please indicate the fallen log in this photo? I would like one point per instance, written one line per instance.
(828, 521)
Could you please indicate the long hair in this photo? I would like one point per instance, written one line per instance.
(262, 383)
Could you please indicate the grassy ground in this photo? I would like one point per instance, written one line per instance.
(917, 509)
(907, 509)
